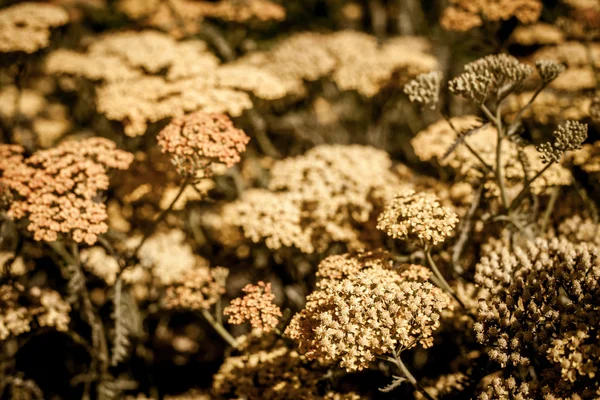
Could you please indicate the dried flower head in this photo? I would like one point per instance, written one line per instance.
(198, 288)
(543, 303)
(549, 70)
(567, 137)
(26, 27)
(255, 307)
(330, 194)
(369, 313)
(491, 75)
(56, 189)
(417, 217)
(425, 89)
(197, 141)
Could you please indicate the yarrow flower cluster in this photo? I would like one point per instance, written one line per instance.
(425, 89)
(56, 189)
(255, 307)
(490, 75)
(197, 141)
(371, 312)
(417, 217)
(200, 288)
(567, 137)
(20, 309)
(26, 27)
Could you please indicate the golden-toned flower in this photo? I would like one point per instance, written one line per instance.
(370, 312)
(26, 26)
(330, 194)
(255, 307)
(417, 217)
(197, 289)
(462, 15)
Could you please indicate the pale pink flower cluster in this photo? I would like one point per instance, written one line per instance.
(256, 307)
(195, 142)
(56, 189)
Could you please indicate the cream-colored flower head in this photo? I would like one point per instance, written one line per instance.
(417, 216)
(26, 27)
(372, 311)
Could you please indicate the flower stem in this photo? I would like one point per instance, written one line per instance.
(515, 203)
(443, 283)
(160, 217)
(220, 329)
(410, 377)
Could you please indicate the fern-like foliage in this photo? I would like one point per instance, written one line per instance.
(127, 323)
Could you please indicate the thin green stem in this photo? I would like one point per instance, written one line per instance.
(410, 377)
(516, 122)
(548, 212)
(497, 120)
(220, 329)
(467, 145)
(517, 200)
(443, 283)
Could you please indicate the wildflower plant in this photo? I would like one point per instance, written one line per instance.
(150, 249)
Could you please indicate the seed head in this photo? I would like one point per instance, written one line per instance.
(425, 89)
(549, 70)
(567, 137)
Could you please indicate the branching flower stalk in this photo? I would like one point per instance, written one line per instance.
(219, 328)
(406, 376)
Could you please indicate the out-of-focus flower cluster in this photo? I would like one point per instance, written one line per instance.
(26, 27)
(167, 263)
(20, 309)
(184, 17)
(43, 120)
(56, 189)
(369, 312)
(330, 194)
(463, 15)
(129, 63)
